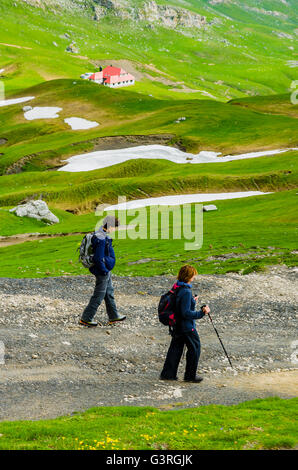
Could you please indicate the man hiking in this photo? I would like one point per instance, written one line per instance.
(185, 333)
(104, 261)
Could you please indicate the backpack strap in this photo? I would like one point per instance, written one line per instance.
(175, 289)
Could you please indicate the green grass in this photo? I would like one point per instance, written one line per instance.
(258, 424)
(241, 120)
(244, 64)
(268, 104)
(267, 235)
(209, 125)
(83, 191)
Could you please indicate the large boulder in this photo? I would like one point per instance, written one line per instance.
(36, 210)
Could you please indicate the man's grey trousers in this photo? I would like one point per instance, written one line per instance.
(103, 291)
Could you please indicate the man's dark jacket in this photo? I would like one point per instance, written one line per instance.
(104, 255)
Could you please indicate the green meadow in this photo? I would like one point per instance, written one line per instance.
(232, 83)
(209, 125)
(229, 59)
(83, 191)
(267, 235)
(254, 425)
(231, 87)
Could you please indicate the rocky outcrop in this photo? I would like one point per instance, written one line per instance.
(150, 11)
(169, 16)
(36, 210)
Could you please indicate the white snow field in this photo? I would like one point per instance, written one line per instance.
(43, 112)
(79, 123)
(104, 158)
(16, 101)
(180, 199)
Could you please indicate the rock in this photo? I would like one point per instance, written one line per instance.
(210, 207)
(283, 35)
(37, 210)
(27, 108)
(72, 48)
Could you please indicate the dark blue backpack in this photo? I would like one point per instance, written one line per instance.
(167, 311)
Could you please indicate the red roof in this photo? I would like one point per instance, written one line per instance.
(112, 74)
(110, 70)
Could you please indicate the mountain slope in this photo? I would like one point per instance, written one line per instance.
(209, 125)
(226, 56)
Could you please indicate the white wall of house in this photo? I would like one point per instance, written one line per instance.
(121, 84)
(115, 85)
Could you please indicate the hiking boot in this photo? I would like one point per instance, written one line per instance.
(89, 324)
(114, 320)
(197, 379)
(167, 378)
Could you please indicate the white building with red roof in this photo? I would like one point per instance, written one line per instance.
(113, 77)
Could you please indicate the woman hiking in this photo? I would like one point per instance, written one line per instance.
(185, 333)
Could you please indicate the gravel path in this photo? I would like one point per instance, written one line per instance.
(54, 367)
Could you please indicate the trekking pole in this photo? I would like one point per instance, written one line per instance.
(219, 337)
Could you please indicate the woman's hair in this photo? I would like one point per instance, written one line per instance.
(186, 273)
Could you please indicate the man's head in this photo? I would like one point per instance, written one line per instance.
(110, 223)
(187, 273)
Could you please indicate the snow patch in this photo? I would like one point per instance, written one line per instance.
(180, 199)
(15, 101)
(44, 112)
(105, 158)
(79, 123)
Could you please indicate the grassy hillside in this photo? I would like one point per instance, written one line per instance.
(277, 104)
(209, 125)
(148, 178)
(230, 79)
(228, 58)
(243, 235)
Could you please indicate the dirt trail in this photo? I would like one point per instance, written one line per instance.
(55, 367)
(281, 383)
(14, 45)
(21, 238)
(25, 237)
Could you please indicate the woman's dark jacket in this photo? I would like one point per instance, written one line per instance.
(185, 308)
